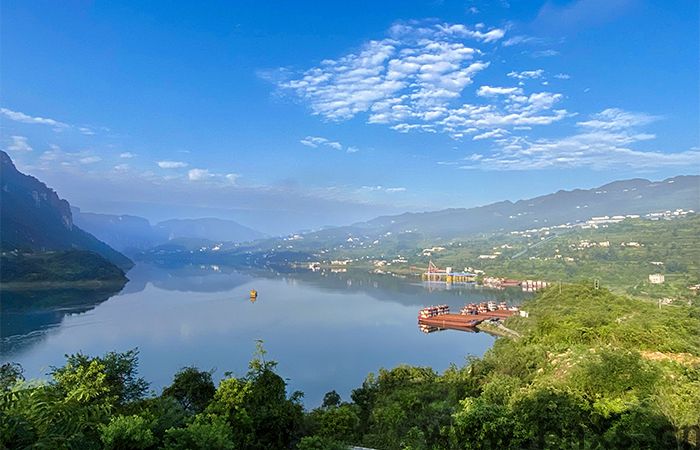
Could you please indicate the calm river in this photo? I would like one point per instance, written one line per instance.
(326, 330)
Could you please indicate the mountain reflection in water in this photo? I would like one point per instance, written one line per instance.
(326, 330)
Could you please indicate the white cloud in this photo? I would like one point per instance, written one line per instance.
(172, 164)
(513, 110)
(415, 79)
(198, 174)
(527, 74)
(89, 159)
(55, 156)
(487, 91)
(562, 76)
(352, 150)
(544, 53)
(126, 155)
(497, 133)
(317, 141)
(19, 144)
(232, 177)
(520, 39)
(603, 142)
(410, 75)
(615, 119)
(382, 189)
(25, 118)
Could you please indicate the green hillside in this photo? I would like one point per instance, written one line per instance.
(58, 267)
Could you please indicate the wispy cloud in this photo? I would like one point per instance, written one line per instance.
(172, 164)
(205, 175)
(527, 74)
(57, 125)
(19, 144)
(55, 156)
(198, 174)
(543, 53)
(89, 159)
(25, 118)
(522, 39)
(604, 141)
(617, 119)
(317, 141)
(496, 133)
(379, 188)
(126, 155)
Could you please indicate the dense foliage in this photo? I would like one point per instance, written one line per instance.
(58, 266)
(591, 370)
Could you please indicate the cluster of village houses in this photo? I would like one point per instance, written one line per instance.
(595, 222)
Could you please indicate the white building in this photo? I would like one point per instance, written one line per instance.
(656, 278)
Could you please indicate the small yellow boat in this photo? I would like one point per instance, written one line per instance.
(253, 293)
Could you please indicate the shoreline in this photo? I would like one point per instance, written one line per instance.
(48, 285)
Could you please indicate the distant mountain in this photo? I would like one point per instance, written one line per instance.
(133, 234)
(128, 234)
(635, 196)
(34, 219)
(208, 228)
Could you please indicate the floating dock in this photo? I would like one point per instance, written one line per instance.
(433, 318)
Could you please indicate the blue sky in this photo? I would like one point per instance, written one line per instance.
(290, 115)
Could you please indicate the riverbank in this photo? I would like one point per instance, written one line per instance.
(52, 285)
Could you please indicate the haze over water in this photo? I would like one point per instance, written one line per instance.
(326, 330)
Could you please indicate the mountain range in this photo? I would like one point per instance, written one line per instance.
(634, 196)
(133, 234)
(35, 218)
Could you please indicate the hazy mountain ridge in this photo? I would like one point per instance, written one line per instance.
(404, 232)
(133, 234)
(34, 218)
(208, 228)
(635, 196)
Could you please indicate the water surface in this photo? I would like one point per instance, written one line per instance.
(326, 330)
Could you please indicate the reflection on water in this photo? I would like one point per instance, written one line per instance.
(27, 316)
(326, 330)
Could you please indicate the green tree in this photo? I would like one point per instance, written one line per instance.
(212, 433)
(192, 388)
(10, 374)
(119, 372)
(331, 398)
(126, 433)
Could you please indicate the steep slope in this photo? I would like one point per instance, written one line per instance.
(33, 218)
